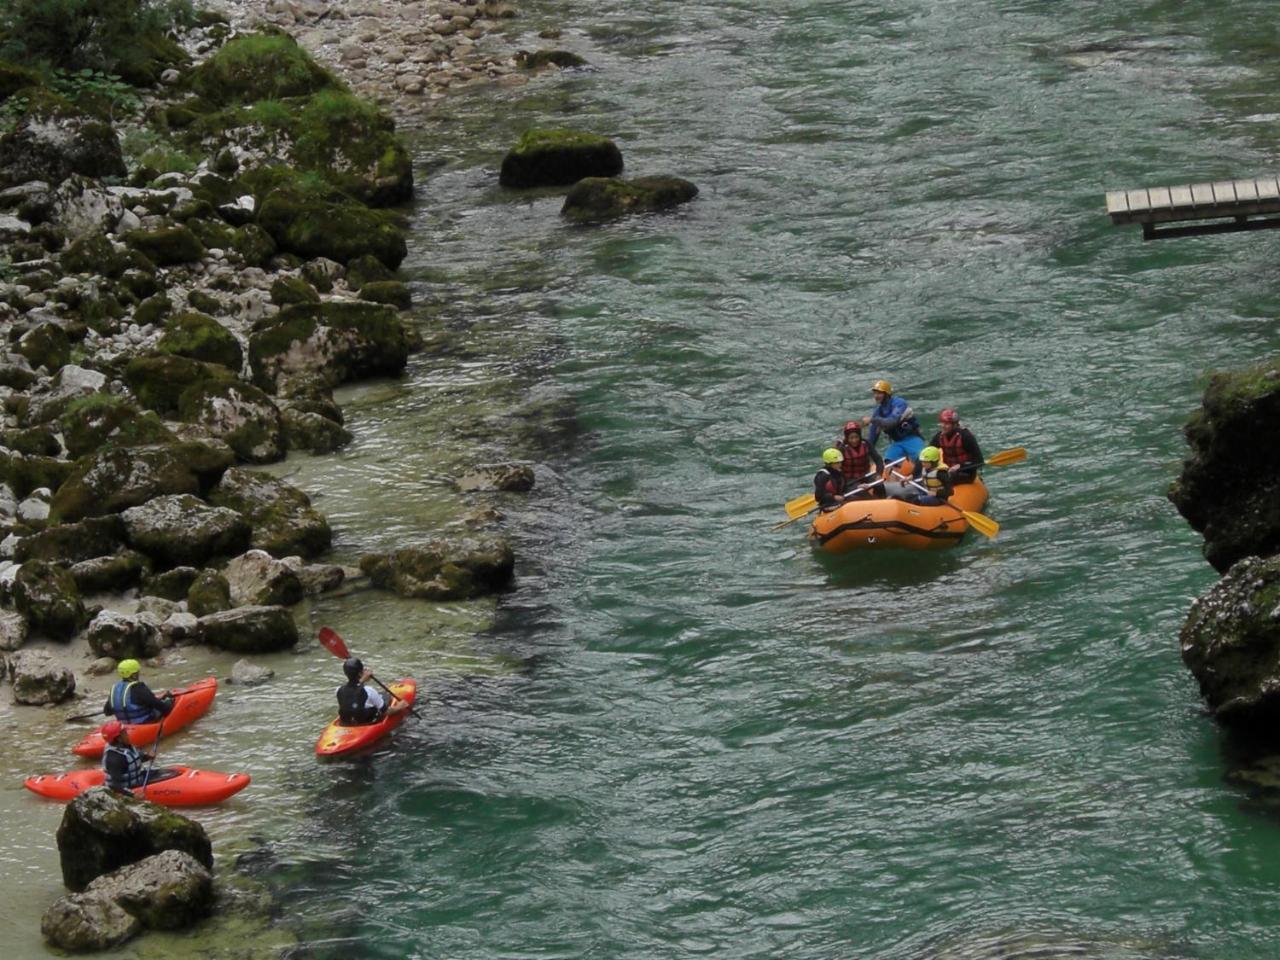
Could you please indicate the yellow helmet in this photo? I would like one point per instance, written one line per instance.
(832, 455)
(882, 386)
(128, 668)
(932, 454)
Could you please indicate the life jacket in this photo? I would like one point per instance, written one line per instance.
(952, 447)
(857, 461)
(908, 426)
(929, 478)
(352, 709)
(134, 772)
(122, 706)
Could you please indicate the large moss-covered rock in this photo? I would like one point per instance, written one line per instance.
(353, 144)
(14, 77)
(391, 292)
(240, 415)
(253, 244)
(183, 529)
(1235, 507)
(46, 595)
(46, 345)
(251, 629)
(312, 225)
(444, 569)
(102, 831)
(1231, 643)
(52, 140)
(160, 381)
(116, 478)
(557, 157)
(167, 246)
(201, 337)
(89, 422)
(114, 574)
(283, 520)
(323, 345)
(209, 593)
(600, 198)
(95, 254)
(73, 542)
(121, 635)
(25, 473)
(84, 924)
(287, 290)
(260, 66)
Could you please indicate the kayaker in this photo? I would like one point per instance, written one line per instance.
(895, 417)
(359, 703)
(131, 700)
(828, 483)
(124, 764)
(960, 450)
(931, 473)
(861, 463)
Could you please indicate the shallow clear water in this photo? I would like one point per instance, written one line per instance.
(682, 734)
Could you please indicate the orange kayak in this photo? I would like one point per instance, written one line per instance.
(189, 704)
(875, 524)
(338, 738)
(172, 786)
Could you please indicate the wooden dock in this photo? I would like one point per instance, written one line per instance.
(1200, 208)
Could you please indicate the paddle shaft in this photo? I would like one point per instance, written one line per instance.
(865, 486)
(969, 515)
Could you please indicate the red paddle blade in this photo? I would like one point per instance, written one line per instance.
(333, 643)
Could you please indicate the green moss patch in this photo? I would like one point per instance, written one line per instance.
(201, 337)
(260, 66)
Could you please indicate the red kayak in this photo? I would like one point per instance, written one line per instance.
(172, 786)
(189, 704)
(338, 738)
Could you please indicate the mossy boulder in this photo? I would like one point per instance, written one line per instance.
(113, 574)
(102, 830)
(311, 225)
(323, 345)
(24, 473)
(101, 418)
(166, 246)
(1231, 643)
(260, 66)
(209, 593)
(52, 139)
(444, 569)
(203, 338)
(240, 415)
(173, 584)
(159, 381)
(253, 244)
(123, 635)
(287, 290)
(283, 520)
(391, 292)
(46, 345)
(96, 255)
(46, 595)
(353, 144)
(72, 542)
(14, 77)
(366, 269)
(542, 59)
(38, 441)
(1237, 510)
(558, 157)
(182, 529)
(115, 478)
(153, 310)
(251, 629)
(601, 198)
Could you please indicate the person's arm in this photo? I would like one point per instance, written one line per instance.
(143, 697)
(107, 708)
(975, 452)
(373, 698)
(877, 461)
(947, 488)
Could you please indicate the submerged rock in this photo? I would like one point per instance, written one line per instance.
(1231, 643)
(600, 198)
(1236, 507)
(444, 569)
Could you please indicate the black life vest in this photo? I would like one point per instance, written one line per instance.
(952, 447)
(352, 708)
(134, 772)
(122, 706)
(857, 461)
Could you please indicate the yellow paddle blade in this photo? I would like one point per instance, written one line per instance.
(785, 523)
(800, 505)
(982, 523)
(1006, 457)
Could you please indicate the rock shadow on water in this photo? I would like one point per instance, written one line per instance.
(1032, 944)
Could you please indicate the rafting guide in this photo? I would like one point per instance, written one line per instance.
(894, 416)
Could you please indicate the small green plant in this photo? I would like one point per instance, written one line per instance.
(146, 147)
(96, 91)
(11, 111)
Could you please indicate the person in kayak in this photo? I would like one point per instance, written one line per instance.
(932, 485)
(861, 463)
(131, 700)
(359, 703)
(124, 764)
(960, 450)
(894, 416)
(828, 482)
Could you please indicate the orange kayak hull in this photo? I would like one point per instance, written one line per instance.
(338, 739)
(189, 704)
(189, 788)
(896, 524)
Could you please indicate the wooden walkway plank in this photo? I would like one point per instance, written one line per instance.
(1251, 203)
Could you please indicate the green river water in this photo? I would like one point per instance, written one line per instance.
(681, 734)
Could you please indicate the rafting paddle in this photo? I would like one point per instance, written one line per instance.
(154, 753)
(865, 486)
(330, 640)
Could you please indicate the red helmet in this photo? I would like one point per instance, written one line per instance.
(949, 416)
(852, 425)
(111, 729)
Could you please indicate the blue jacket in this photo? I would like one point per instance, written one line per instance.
(895, 418)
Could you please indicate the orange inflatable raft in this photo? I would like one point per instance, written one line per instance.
(875, 524)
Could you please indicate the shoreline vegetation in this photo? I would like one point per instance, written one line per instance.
(200, 233)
